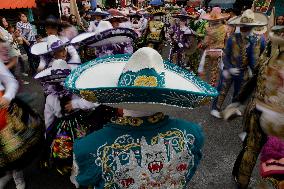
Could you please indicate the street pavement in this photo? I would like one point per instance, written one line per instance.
(221, 148)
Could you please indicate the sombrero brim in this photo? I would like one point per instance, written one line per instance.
(261, 20)
(134, 15)
(158, 14)
(46, 76)
(208, 17)
(119, 18)
(41, 48)
(181, 16)
(116, 35)
(276, 38)
(99, 13)
(97, 80)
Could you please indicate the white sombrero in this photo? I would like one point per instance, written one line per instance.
(215, 15)
(275, 35)
(56, 73)
(52, 44)
(105, 34)
(99, 12)
(249, 19)
(141, 81)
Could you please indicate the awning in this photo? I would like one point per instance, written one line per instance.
(13, 4)
(225, 4)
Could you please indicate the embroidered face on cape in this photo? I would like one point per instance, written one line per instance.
(165, 162)
(154, 156)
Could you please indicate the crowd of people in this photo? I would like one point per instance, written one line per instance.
(105, 122)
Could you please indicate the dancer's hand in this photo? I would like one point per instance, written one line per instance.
(180, 45)
(234, 71)
(68, 107)
(226, 74)
(4, 103)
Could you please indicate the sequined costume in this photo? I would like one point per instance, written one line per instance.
(21, 129)
(193, 55)
(145, 152)
(155, 34)
(180, 42)
(242, 53)
(252, 90)
(63, 127)
(211, 60)
(21, 138)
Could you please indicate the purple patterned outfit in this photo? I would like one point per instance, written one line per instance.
(180, 42)
(113, 49)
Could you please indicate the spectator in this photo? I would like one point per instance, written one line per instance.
(4, 24)
(23, 58)
(280, 20)
(26, 31)
(84, 19)
(25, 28)
(73, 21)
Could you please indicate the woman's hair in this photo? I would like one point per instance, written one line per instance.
(70, 18)
(20, 14)
(64, 18)
(1, 22)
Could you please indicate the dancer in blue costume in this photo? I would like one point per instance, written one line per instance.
(145, 148)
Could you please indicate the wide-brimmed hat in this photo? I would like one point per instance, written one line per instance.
(115, 14)
(105, 34)
(142, 81)
(99, 12)
(56, 73)
(249, 19)
(157, 12)
(276, 35)
(156, 3)
(52, 44)
(134, 15)
(182, 15)
(215, 15)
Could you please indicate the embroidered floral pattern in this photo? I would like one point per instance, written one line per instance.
(146, 81)
(135, 121)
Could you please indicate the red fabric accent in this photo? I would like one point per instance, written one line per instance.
(123, 3)
(269, 170)
(13, 4)
(3, 116)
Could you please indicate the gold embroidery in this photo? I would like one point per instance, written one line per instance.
(146, 81)
(156, 118)
(136, 122)
(12, 144)
(88, 95)
(155, 30)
